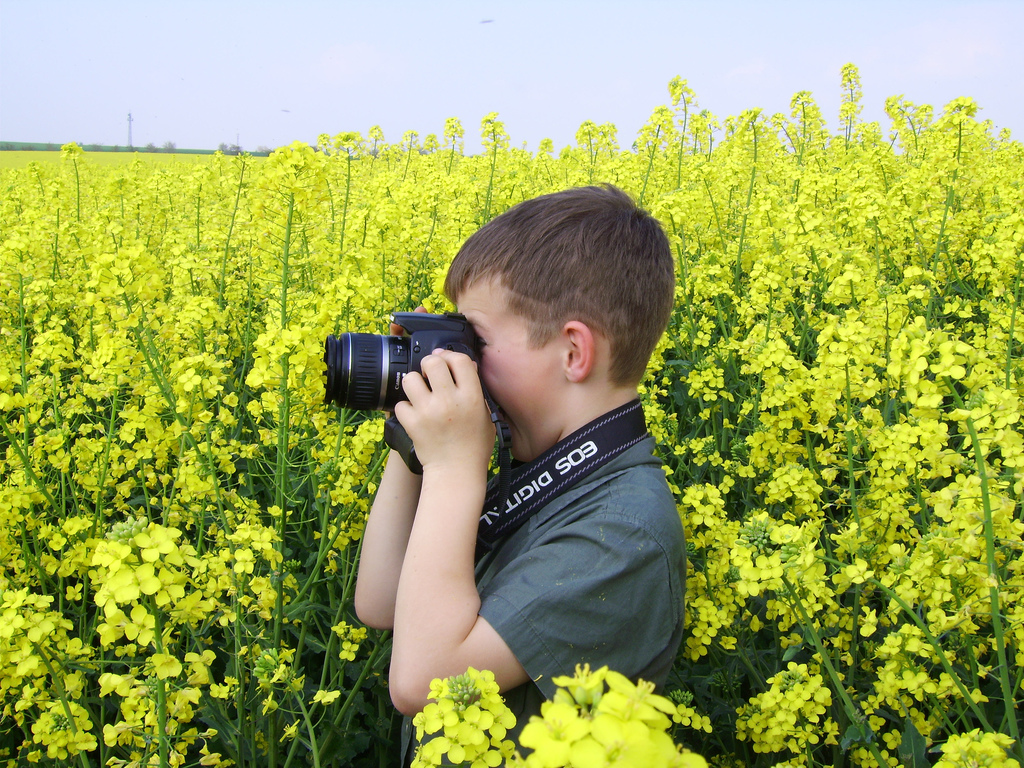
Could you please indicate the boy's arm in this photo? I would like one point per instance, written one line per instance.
(438, 630)
(384, 542)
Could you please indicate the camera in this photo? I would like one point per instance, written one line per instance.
(365, 370)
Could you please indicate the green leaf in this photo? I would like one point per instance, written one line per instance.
(857, 733)
(791, 652)
(912, 747)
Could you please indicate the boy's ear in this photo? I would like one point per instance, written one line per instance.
(580, 350)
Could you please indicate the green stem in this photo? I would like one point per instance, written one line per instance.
(281, 462)
(105, 465)
(63, 696)
(325, 545)
(314, 749)
(852, 484)
(78, 192)
(746, 213)
(1009, 705)
(853, 712)
(240, 709)
(227, 240)
(714, 210)
(490, 181)
(950, 194)
(932, 641)
(199, 209)
(1013, 322)
(163, 742)
(339, 718)
(408, 160)
(650, 165)
(682, 142)
(344, 209)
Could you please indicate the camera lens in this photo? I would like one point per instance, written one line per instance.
(365, 371)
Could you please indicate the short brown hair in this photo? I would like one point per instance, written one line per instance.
(588, 254)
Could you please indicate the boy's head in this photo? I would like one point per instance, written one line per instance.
(587, 254)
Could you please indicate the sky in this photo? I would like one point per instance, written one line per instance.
(264, 73)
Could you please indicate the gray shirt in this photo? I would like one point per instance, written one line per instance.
(596, 576)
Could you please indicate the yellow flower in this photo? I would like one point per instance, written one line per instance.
(552, 735)
(977, 748)
(637, 702)
(64, 736)
(326, 697)
(470, 718)
(165, 665)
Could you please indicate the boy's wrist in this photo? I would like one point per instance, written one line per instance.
(396, 466)
(462, 453)
(451, 487)
(456, 473)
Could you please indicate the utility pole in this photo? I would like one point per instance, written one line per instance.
(129, 130)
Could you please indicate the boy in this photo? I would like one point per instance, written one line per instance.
(568, 294)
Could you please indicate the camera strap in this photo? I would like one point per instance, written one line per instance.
(518, 493)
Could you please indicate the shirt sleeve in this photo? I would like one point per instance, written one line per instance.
(601, 589)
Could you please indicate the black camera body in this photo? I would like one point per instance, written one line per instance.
(365, 370)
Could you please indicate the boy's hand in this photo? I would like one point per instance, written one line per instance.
(396, 330)
(446, 415)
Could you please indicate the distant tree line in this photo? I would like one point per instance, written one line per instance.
(167, 147)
